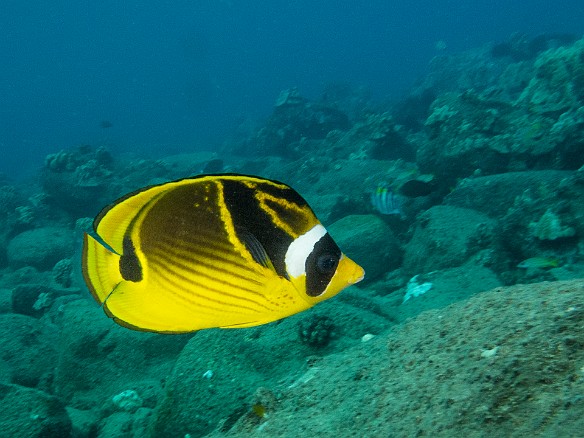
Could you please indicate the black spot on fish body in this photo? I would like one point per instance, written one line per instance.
(130, 266)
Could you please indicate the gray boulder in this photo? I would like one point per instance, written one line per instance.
(41, 247)
(369, 241)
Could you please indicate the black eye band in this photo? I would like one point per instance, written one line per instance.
(327, 263)
(321, 265)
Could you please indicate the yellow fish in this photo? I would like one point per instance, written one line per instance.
(539, 263)
(223, 251)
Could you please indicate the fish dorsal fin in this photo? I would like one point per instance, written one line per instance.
(255, 248)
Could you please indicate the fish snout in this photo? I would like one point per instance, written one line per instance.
(353, 272)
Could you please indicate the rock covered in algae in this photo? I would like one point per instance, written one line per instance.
(40, 247)
(549, 227)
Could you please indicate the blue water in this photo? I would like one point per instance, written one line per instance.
(180, 76)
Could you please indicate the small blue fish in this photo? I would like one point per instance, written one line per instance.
(385, 201)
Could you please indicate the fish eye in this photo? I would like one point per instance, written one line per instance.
(327, 263)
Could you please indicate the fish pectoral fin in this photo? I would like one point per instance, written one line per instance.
(255, 248)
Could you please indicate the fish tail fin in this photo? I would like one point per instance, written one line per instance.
(100, 268)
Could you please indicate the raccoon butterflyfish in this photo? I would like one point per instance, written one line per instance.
(223, 251)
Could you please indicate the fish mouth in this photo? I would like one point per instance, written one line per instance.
(358, 274)
(350, 272)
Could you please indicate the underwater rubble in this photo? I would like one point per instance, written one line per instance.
(470, 315)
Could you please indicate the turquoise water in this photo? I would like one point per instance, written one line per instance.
(183, 77)
(441, 146)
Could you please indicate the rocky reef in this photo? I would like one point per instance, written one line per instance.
(484, 159)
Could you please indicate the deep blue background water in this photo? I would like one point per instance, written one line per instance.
(179, 76)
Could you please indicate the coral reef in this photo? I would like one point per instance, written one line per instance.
(357, 234)
(62, 272)
(74, 180)
(35, 412)
(549, 227)
(558, 83)
(294, 124)
(127, 400)
(316, 330)
(486, 158)
(446, 237)
(468, 129)
(516, 360)
(40, 247)
(376, 136)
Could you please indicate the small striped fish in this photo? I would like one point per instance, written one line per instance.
(385, 201)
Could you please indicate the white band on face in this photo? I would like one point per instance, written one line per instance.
(301, 248)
